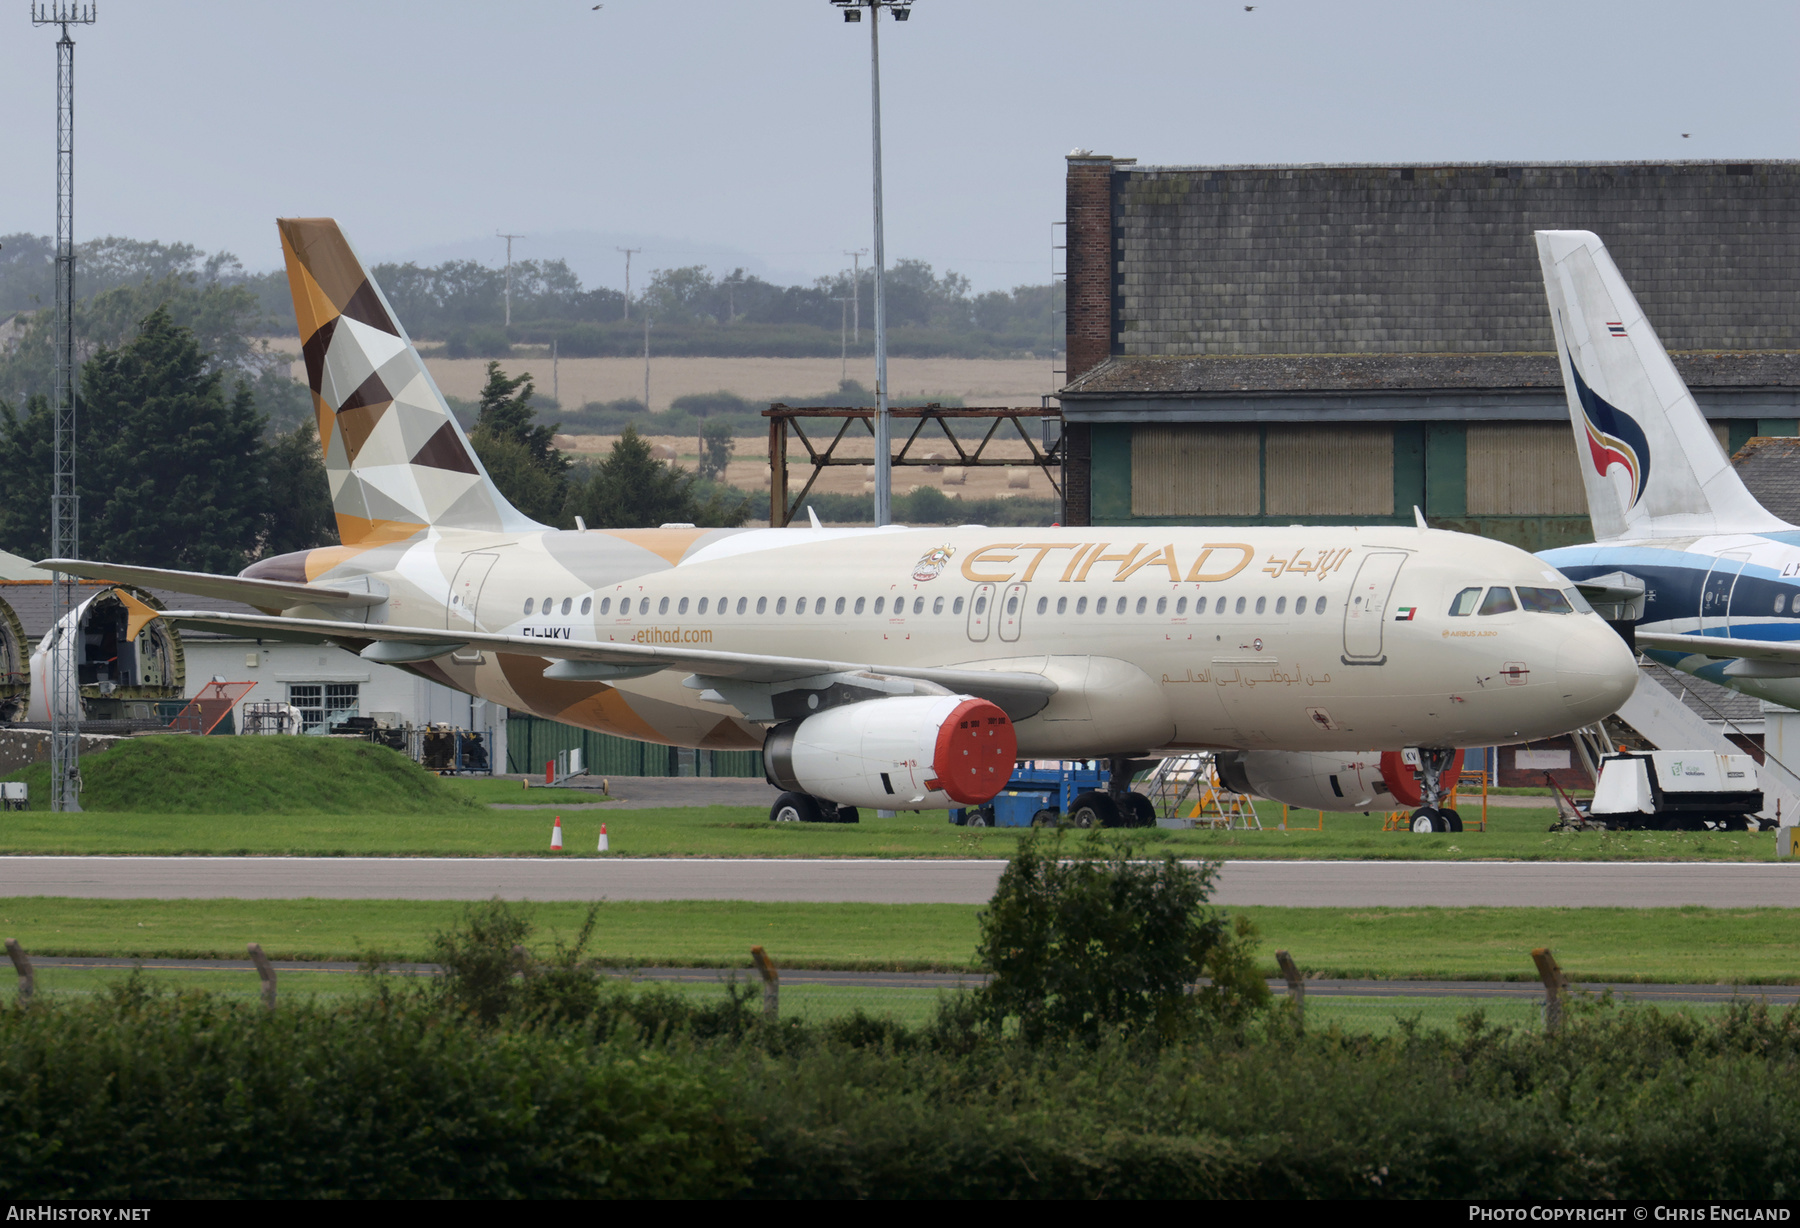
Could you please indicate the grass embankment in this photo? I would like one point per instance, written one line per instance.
(1670, 945)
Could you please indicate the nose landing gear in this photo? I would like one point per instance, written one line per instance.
(1437, 778)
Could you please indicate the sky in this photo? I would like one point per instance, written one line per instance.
(737, 133)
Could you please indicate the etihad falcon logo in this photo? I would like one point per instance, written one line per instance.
(1613, 437)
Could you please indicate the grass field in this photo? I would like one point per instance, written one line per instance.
(1681, 945)
(456, 828)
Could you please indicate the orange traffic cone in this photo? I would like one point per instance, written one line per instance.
(602, 837)
(556, 836)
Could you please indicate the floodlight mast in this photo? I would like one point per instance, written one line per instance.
(64, 689)
(901, 10)
(509, 242)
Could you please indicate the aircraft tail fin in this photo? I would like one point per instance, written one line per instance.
(397, 460)
(1651, 464)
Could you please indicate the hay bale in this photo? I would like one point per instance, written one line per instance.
(955, 475)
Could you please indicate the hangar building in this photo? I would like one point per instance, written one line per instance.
(1270, 344)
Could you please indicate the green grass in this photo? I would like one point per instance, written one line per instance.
(1679, 945)
(176, 775)
(450, 826)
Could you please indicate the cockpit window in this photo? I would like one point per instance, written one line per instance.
(1581, 603)
(1499, 601)
(1464, 603)
(1544, 601)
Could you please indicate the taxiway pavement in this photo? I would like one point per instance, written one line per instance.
(1347, 884)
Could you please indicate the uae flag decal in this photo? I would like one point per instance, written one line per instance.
(1405, 613)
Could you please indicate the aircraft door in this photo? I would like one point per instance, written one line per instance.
(460, 613)
(1715, 594)
(1366, 609)
(981, 612)
(1012, 611)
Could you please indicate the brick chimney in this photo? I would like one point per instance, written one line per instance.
(1090, 261)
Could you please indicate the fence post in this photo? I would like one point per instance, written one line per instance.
(1554, 984)
(22, 964)
(1296, 987)
(771, 984)
(266, 971)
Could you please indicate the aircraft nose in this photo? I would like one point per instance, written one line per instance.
(1595, 671)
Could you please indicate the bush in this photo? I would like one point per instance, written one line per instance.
(1086, 939)
(479, 341)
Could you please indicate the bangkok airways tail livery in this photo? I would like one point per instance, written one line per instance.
(1685, 560)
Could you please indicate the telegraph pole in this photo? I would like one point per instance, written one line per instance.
(629, 253)
(509, 239)
(65, 505)
(856, 293)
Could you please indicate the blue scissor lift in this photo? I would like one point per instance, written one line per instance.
(1033, 791)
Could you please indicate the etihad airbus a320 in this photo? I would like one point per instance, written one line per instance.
(895, 668)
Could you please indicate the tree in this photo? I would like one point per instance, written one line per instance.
(520, 455)
(1086, 939)
(174, 477)
(631, 489)
(297, 511)
(715, 453)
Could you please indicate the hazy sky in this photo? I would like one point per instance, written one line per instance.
(710, 131)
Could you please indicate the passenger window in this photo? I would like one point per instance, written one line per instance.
(1081, 605)
(879, 602)
(529, 602)
(1123, 601)
(819, 605)
(1299, 605)
(662, 607)
(918, 605)
(1100, 606)
(702, 607)
(1162, 605)
(1219, 605)
(1780, 600)
(781, 604)
(567, 602)
(1143, 604)
(1463, 604)
(1181, 605)
(1499, 601)
(682, 608)
(1043, 604)
(744, 601)
(1062, 605)
(1012, 604)
(799, 607)
(859, 604)
(1319, 606)
(839, 607)
(546, 605)
(1240, 605)
(1262, 603)
(1199, 605)
(1281, 605)
(1544, 601)
(937, 605)
(762, 603)
(981, 605)
(956, 606)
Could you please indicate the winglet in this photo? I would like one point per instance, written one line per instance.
(813, 516)
(1419, 517)
(137, 613)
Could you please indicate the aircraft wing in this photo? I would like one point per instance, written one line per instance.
(1016, 692)
(1721, 647)
(261, 593)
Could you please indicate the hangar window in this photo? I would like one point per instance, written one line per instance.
(528, 604)
(1463, 604)
(587, 604)
(858, 607)
(323, 703)
(1299, 605)
(1499, 601)
(682, 607)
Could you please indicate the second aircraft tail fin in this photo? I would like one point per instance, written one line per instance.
(1651, 464)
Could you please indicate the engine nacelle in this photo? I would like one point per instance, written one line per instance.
(906, 752)
(1330, 780)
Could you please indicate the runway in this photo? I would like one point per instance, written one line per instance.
(1344, 884)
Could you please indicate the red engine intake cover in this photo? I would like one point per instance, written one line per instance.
(976, 749)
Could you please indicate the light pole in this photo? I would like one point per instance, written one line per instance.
(856, 293)
(853, 11)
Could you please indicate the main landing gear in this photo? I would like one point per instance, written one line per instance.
(1437, 777)
(1118, 806)
(805, 808)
